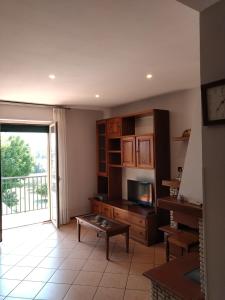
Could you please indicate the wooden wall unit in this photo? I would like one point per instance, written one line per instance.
(125, 146)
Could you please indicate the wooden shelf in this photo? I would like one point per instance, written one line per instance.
(171, 203)
(115, 166)
(114, 151)
(181, 138)
(173, 183)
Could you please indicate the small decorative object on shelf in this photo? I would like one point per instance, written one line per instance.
(179, 173)
(175, 189)
(184, 137)
(173, 192)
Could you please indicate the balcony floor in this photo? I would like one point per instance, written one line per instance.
(27, 218)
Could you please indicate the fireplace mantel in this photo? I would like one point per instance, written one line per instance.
(171, 203)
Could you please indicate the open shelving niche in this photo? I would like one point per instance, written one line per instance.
(113, 173)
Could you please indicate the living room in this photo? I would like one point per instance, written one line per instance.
(88, 93)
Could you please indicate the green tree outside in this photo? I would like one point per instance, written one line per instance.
(16, 158)
(16, 161)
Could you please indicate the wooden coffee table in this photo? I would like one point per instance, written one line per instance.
(103, 225)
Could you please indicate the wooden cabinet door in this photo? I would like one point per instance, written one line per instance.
(144, 151)
(114, 127)
(107, 211)
(96, 207)
(128, 151)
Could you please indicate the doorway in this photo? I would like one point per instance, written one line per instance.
(25, 175)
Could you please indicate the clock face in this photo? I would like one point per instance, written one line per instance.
(216, 103)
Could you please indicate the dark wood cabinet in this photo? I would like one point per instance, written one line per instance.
(107, 211)
(96, 206)
(101, 148)
(142, 221)
(114, 127)
(145, 151)
(128, 151)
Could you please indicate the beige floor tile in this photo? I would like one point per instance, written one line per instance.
(17, 273)
(50, 243)
(143, 258)
(56, 252)
(118, 267)
(88, 278)
(10, 260)
(12, 298)
(75, 264)
(64, 276)
(160, 257)
(40, 274)
(82, 254)
(142, 249)
(40, 251)
(30, 261)
(98, 254)
(51, 263)
(52, 291)
(27, 289)
(7, 285)
(95, 266)
(4, 269)
(136, 295)
(114, 280)
(121, 256)
(85, 246)
(138, 282)
(79, 292)
(109, 294)
(67, 244)
(139, 269)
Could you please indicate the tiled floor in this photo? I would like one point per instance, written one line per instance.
(40, 262)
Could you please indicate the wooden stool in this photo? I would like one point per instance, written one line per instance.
(184, 240)
(168, 231)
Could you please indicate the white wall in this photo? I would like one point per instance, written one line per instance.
(191, 184)
(25, 112)
(180, 105)
(212, 30)
(81, 136)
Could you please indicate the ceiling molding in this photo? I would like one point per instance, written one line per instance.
(198, 5)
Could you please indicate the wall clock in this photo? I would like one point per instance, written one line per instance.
(213, 102)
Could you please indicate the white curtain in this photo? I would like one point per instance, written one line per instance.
(59, 116)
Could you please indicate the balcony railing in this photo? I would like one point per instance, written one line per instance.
(24, 193)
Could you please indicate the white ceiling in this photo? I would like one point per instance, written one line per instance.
(93, 47)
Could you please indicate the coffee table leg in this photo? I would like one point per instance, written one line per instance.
(127, 241)
(78, 230)
(107, 246)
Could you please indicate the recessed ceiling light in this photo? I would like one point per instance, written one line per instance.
(51, 76)
(97, 96)
(149, 76)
